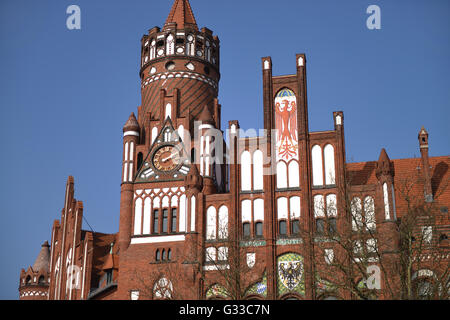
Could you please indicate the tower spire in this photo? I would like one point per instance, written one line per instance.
(181, 14)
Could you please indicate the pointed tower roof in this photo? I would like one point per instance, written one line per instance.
(131, 124)
(383, 156)
(205, 116)
(384, 164)
(42, 261)
(182, 15)
(423, 131)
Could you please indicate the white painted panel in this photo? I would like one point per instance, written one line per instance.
(202, 145)
(266, 65)
(131, 151)
(246, 211)
(125, 171)
(147, 215)
(207, 145)
(134, 295)
(126, 151)
(316, 155)
(258, 173)
(211, 223)
(386, 202)
(393, 202)
(165, 202)
(183, 214)
(281, 175)
(294, 206)
(174, 238)
(130, 176)
(223, 222)
(294, 177)
(193, 213)
(174, 202)
(137, 216)
(154, 134)
(319, 206)
(202, 165)
(168, 111)
(258, 210)
(156, 203)
(331, 205)
(207, 166)
(131, 133)
(181, 132)
(246, 171)
(369, 211)
(330, 172)
(282, 204)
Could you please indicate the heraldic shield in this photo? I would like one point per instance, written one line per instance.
(290, 274)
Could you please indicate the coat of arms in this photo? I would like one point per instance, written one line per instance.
(286, 124)
(290, 273)
(251, 259)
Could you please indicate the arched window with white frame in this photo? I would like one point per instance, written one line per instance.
(223, 222)
(138, 216)
(211, 223)
(246, 171)
(258, 173)
(386, 202)
(369, 213)
(356, 209)
(317, 169)
(281, 175)
(190, 48)
(170, 45)
(330, 172)
(294, 177)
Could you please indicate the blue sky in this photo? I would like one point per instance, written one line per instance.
(65, 95)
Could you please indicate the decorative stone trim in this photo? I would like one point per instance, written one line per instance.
(253, 243)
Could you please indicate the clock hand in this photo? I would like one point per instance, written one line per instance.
(169, 157)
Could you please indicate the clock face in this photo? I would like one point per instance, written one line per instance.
(167, 158)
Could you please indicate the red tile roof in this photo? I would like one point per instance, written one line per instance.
(182, 15)
(408, 175)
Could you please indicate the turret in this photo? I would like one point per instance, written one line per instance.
(385, 175)
(386, 213)
(207, 152)
(130, 140)
(182, 58)
(426, 174)
(34, 282)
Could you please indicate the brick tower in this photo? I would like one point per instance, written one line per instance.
(162, 191)
(285, 217)
(34, 282)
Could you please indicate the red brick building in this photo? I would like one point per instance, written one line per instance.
(250, 219)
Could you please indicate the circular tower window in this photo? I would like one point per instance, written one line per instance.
(170, 65)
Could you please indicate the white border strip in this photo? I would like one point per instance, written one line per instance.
(131, 133)
(175, 238)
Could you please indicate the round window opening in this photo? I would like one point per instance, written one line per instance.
(206, 70)
(170, 65)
